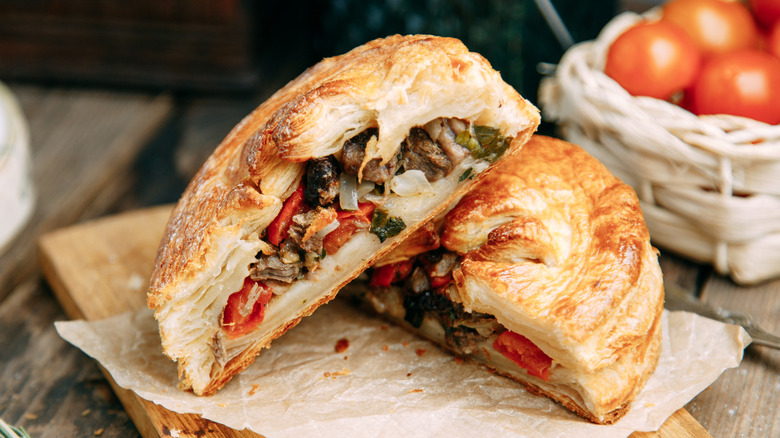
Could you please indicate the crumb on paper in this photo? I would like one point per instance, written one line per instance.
(385, 347)
(409, 374)
(420, 351)
(405, 344)
(30, 416)
(342, 345)
(413, 391)
(335, 374)
(223, 405)
(86, 412)
(99, 432)
(255, 388)
(345, 357)
(649, 405)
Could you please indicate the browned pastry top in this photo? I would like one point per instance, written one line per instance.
(554, 245)
(390, 83)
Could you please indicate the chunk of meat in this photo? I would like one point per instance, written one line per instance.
(419, 152)
(306, 226)
(322, 181)
(273, 268)
(463, 340)
(443, 132)
(304, 235)
(354, 152)
(417, 305)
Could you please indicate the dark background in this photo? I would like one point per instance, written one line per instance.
(235, 46)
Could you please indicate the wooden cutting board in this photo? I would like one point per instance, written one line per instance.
(101, 268)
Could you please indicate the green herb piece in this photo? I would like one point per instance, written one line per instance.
(485, 142)
(466, 174)
(385, 226)
(467, 141)
(486, 135)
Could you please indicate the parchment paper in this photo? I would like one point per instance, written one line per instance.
(390, 383)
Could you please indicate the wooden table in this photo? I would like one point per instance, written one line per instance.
(97, 152)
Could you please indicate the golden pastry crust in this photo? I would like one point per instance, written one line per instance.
(556, 248)
(215, 229)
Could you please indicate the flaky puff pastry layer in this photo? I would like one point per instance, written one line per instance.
(216, 227)
(556, 248)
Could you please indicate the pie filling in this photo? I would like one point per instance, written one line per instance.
(420, 292)
(332, 204)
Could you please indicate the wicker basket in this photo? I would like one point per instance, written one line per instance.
(709, 186)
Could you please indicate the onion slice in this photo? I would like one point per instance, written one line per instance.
(411, 183)
(348, 194)
(364, 188)
(327, 229)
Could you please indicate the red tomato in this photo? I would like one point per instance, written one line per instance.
(773, 40)
(743, 83)
(716, 26)
(654, 59)
(767, 12)
(240, 315)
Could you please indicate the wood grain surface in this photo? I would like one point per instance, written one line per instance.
(100, 268)
(83, 144)
(744, 401)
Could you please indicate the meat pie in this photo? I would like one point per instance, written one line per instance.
(309, 190)
(545, 274)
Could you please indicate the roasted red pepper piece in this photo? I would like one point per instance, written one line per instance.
(524, 353)
(440, 281)
(364, 211)
(386, 275)
(293, 205)
(350, 221)
(238, 318)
